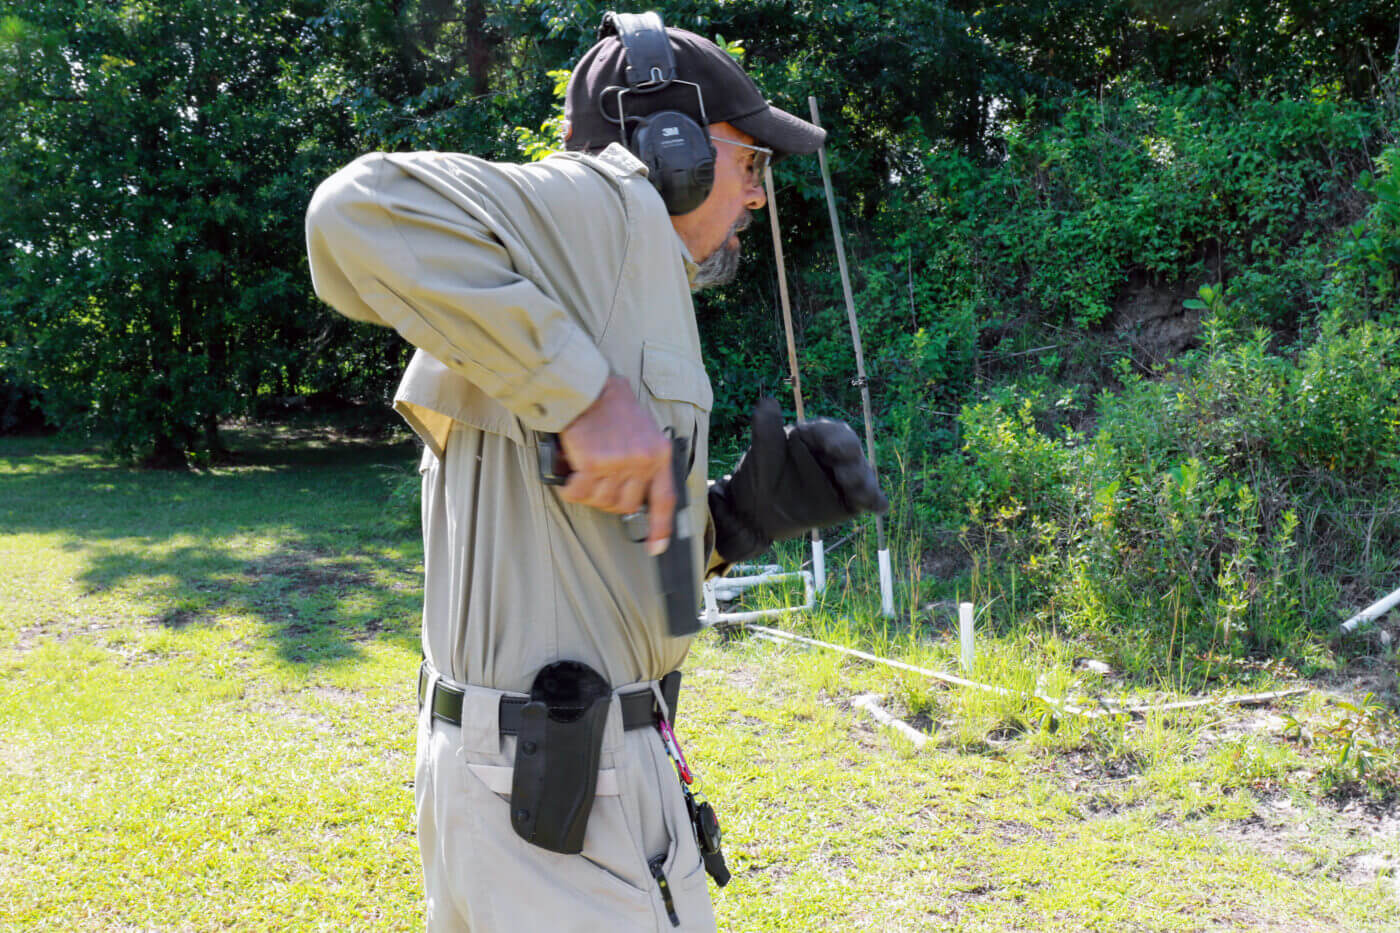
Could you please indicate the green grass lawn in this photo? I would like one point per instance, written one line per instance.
(206, 723)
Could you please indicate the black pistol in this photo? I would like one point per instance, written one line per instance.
(674, 567)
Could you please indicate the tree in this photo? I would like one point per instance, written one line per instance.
(159, 155)
(159, 161)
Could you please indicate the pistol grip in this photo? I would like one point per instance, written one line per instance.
(553, 468)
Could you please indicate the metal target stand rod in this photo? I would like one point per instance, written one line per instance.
(818, 551)
(886, 576)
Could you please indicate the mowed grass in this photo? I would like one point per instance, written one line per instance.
(207, 721)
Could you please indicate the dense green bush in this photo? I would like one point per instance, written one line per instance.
(969, 264)
(1221, 504)
(1181, 515)
(1345, 404)
(1154, 181)
(1366, 271)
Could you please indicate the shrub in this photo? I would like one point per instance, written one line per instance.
(1366, 271)
(1344, 411)
(1180, 517)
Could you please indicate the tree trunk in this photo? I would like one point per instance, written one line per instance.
(213, 441)
(167, 454)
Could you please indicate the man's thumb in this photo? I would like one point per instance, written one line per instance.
(661, 507)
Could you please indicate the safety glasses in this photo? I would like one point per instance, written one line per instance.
(756, 166)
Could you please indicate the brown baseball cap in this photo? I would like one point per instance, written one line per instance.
(730, 96)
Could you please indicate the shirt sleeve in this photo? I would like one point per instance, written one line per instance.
(428, 256)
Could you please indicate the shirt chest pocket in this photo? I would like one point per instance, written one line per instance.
(677, 383)
(680, 396)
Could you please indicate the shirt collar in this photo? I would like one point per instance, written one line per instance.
(621, 158)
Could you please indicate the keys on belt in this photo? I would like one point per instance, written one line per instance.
(703, 821)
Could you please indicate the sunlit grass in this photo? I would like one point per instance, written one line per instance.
(206, 723)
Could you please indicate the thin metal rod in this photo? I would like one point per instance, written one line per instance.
(851, 314)
(783, 292)
(787, 324)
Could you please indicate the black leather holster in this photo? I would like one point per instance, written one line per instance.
(558, 748)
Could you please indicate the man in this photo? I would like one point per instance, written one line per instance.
(554, 299)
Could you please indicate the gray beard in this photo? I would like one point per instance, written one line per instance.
(721, 266)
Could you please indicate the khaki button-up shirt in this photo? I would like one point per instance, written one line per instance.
(522, 286)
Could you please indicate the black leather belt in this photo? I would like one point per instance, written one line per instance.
(639, 709)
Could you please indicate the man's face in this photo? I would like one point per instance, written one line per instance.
(711, 231)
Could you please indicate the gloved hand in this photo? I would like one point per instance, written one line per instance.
(791, 479)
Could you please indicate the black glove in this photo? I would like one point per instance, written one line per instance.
(790, 480)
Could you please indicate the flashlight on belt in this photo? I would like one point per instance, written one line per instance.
(674, 567)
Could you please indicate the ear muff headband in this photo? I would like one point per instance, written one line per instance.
(674, 146)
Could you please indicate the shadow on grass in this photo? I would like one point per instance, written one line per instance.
(296, 533)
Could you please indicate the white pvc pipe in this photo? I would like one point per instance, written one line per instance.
(731, 587)
(886, 584)
(867, 702)
(728, 617)
(819, 564)
(711, 614)
(1372, 612)
(1105, 707)
(965, 634)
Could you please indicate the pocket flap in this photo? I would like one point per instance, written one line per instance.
(672, 375)
(498, 778)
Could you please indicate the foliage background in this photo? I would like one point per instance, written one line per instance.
(1126, 269)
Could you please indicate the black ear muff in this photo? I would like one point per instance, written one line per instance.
(674, 146)
(679, 157)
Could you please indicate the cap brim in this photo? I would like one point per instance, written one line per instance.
(782, 132)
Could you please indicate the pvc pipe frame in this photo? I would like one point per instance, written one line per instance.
(868, 702)
(886, 584)
(712, 615)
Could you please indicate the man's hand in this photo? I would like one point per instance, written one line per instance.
(621, 461)
(790, 480)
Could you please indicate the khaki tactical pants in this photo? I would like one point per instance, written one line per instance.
(483, 878)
